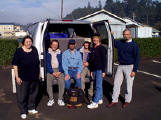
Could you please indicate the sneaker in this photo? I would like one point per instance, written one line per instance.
(50, 102)
(33, 111)
(61, 103)
(100, 102)
(23, 116)
(92, 105)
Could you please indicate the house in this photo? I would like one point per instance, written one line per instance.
(117, 23)
(138, 30)
(155, 32)
(6, 29)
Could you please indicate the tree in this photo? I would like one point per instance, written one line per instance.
(109, 5)
(99, 5)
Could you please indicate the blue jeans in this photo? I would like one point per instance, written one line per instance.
(73, 74)
(97, 76)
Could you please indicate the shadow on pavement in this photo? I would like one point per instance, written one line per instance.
(108, 89)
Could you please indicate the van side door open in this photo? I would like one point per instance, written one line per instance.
(103, 28)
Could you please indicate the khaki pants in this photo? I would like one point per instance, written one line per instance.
(61, 84)
(85, 73)
(123, 71)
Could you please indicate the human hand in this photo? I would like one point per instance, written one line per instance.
(112, 33)
(54, 74)
(67, 77)
(133, 74)
(85, 64)
(57, 74)
(19, 81)
(103, 74)
(78, 76)
(92, 75)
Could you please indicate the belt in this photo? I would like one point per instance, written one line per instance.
(72, 67)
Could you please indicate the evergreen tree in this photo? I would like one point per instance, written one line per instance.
(99, 5)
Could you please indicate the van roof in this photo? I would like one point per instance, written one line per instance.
(68, 21)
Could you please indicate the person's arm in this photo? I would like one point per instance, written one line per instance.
(18, 80)
(103, 53)
(60, 63)
(59, 57)
(114, 41)
(15, 63)
(48, 64)
(80, 65)
(65, 63)
(137, 58)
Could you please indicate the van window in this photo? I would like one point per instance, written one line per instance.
(79, 32)
(101, 29)
(73, 30)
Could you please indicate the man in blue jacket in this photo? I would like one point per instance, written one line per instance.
(128, 57)
(72, 65)
(54, 71)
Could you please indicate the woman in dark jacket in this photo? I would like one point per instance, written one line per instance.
(97, 67)
(26, 67)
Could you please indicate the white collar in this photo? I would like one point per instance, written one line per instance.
(129, 41)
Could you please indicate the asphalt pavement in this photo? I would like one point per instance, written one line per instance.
(146, 103)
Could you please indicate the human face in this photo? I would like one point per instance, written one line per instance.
(28, 43)
(86, 45)
(71, 46)
(54, 46)
(127, 35)
(96, 40)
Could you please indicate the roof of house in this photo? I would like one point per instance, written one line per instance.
(155, 30)
(105, 12)
(131, 22)
(7, 24)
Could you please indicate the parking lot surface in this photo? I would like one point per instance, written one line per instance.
(146, 103)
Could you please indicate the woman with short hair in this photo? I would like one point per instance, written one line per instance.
(26, 68)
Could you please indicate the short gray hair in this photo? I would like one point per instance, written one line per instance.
(127, 30)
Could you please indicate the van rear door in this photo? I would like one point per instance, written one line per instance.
(103, 28)
(38, 43)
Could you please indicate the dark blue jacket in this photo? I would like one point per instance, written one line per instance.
(48, 62)
(128, 53)
(98, 59)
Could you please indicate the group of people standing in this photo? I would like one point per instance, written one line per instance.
(73, 63)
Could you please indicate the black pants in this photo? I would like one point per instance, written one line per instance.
(26, 95)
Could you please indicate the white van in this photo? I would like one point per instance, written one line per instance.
(73, 29)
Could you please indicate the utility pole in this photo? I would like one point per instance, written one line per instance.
(61, 9)
(133, 16)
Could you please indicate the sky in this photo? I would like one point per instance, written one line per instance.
(29, 11)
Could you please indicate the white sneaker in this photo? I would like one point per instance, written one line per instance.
(61, 103)
(100, 102)
(50, 102)
(32, 111)
(23, 116)
(92, 105)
